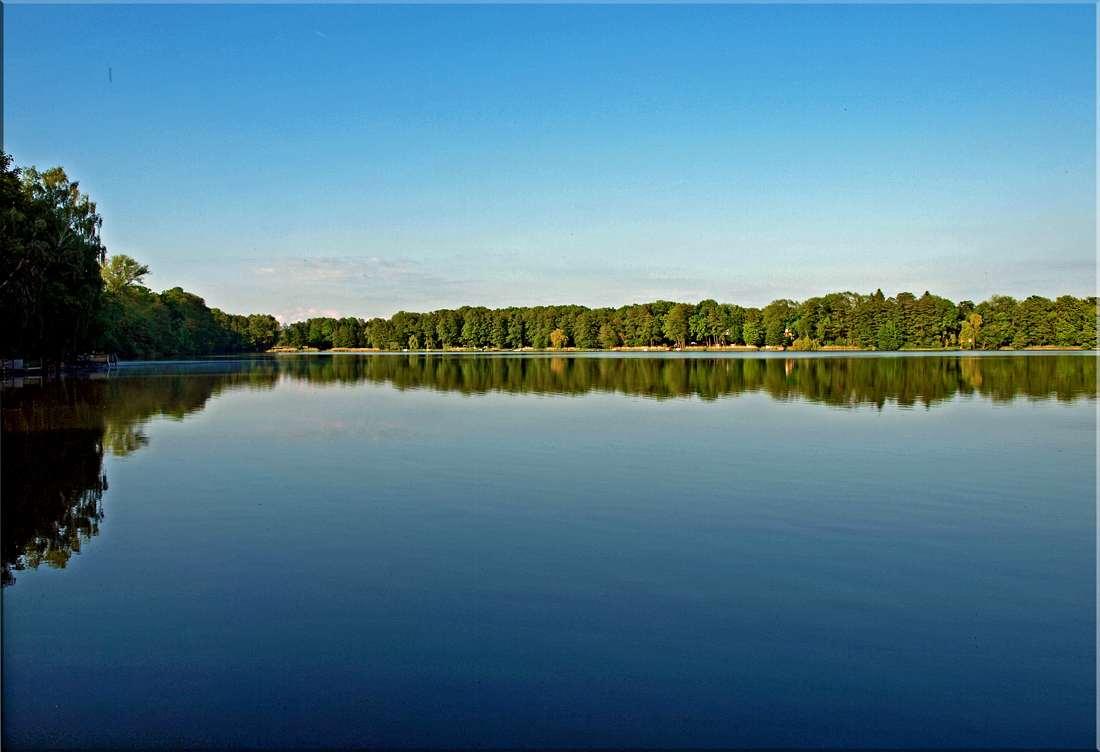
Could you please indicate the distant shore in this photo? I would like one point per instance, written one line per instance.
(689, 348)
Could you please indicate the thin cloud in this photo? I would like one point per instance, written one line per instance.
(354, 286)
(341, 269)
(289, 316)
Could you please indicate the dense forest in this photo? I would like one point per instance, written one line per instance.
(51, 291)
(139, 323)
(845, 320)
(61, 296)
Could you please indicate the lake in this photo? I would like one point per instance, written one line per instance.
(645, 550)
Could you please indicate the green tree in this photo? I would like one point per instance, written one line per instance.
(733, 320)
(448, 327)
(405, 325)
(426, 331)
(889, 336)
(320, 332)
(585, 330)
(344, 336)
(475, 332)
(969, 333)
(498, 329)
(295, 334)
(381, 335)
(677, 325)
(1075, 322)
(1035, 323)
(778, 318)
(999, 316)
(194, 329)
(707, 323)
(752, 333)
(263, 331)
(120, 272)
(542, 321)
(50, 255)
(516, 329)
(631, 317)
(609, 338)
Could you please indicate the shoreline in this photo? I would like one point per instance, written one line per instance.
(690, 348)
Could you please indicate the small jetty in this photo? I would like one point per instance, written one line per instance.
(97, 361)
(23, 368)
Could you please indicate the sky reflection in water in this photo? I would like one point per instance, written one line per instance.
(554, 551)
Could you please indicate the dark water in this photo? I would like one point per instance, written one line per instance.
(500, 550)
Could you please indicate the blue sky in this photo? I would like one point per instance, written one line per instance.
(364, 159)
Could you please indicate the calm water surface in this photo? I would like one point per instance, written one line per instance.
(508, 550)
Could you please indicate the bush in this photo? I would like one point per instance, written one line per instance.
(889, 337)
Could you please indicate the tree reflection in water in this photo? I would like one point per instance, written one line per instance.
(55, 434)
(837, 380)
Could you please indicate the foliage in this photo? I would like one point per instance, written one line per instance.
(837, 320)
(678, 324)
(609, 338)
(50, 252)
(969, 331)
(121, 272)
(256, 332)
(142, 324)
(889, 336)
(60, 296)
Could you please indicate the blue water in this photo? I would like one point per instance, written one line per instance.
(307, 562)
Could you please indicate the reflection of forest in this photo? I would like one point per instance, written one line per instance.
(833, 380)
(55, 434)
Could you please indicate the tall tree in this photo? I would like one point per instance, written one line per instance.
(50, 256)
(120, 272)
(778, 319)
(678, 324)
(609, 338)
(585, 330)
(516, 328)
(448, 326)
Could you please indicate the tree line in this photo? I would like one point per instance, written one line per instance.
(140, 323)
(61, 296)
(837, 320)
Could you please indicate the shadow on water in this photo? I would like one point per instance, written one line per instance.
(56, 433)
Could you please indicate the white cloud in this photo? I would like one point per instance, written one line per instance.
(341, 269)
(668, 277)
(301, 314)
